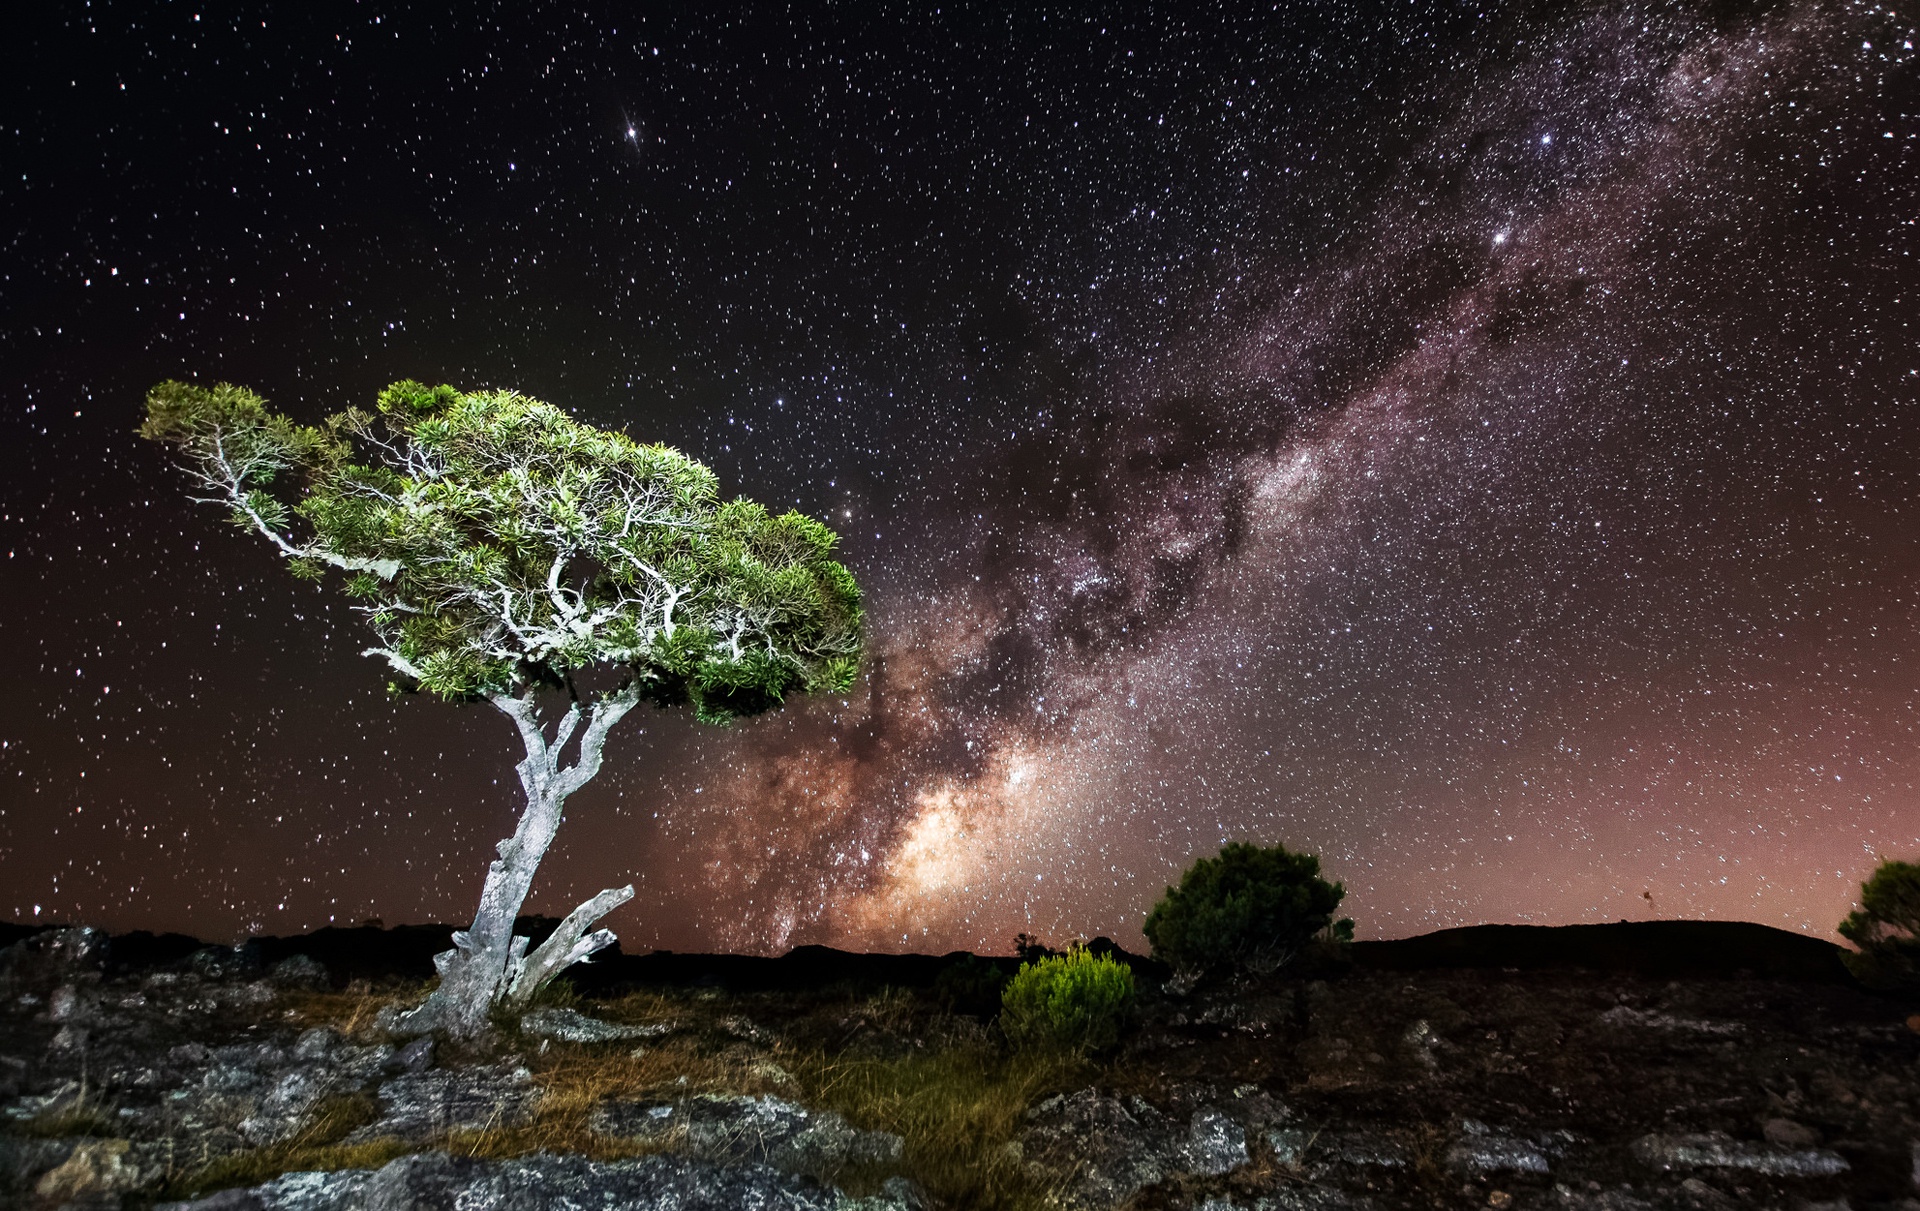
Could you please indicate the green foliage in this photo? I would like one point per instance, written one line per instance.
(972, 985)
(1250, 907)
(1078, 1001)
(491, 541)
(1886, 928)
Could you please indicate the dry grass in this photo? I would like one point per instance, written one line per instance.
(350, 1011)
(958, 1107)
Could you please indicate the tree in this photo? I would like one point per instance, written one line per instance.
(1886, 928)
(1250, 907)
(501, 552)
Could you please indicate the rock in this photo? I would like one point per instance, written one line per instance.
(896, 1194)
(1483, 1150)
(416, 1056)
(435, 1181)
(1624, 1015)
(1115, 1149)
(51, 958)
(216, 963)
(283, 1111)
(568, 1026)
(69, 1038)
(1366, 1149)
(1311, 1198)
(92, 1169)
(1215, 1146)
(1716, 1150)
(24, 1159)
(1789, 1134)
(723, 1127)
(299, 971)
(1597, 1199)
(418, 1105)
(64, 1003)
(1289, 1145)
(316, 1044)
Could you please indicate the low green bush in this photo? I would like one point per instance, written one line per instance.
(1886, 928)
(1251, 907)
(1077, 1001)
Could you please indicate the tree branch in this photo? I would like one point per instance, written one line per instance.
(569, 944)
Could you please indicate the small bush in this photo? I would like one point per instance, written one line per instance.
(972, 985)
(1250, 907)
(1886, 928)
(1077, 1001)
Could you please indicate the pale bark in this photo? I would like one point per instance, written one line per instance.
(488, 965)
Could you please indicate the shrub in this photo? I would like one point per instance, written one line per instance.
(1250, 907)
(1078, 1001)
(971, 985)
(1886, 928)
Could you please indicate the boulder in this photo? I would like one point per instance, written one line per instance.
(1115, 1149)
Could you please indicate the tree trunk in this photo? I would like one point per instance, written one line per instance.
(489, 966)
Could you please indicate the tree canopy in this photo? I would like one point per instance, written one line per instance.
(494, 543)
(1252, 906)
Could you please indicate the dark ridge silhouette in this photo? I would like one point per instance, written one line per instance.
(1649, 948)
(1661, 949)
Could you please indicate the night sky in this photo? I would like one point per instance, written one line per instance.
(1478, 443)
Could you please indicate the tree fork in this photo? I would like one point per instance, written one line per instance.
(489, 966)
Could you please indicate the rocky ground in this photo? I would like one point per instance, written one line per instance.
(220, 1080)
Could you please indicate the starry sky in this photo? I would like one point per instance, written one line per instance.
(1476, 442)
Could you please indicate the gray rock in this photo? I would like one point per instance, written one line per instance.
(51, 958)
(418, 1105)
(1289, 1145)
(1114, 1149)
(215, 963)
(1627, 1016)
(1312, 1198)
(95, 1171)
(1366, 1149)
(299, 971)
(284, 1109)
(416, 1056)
(1215, 1145)
(1717, 1150)
(1496, 1154)
(1596, 1199)
(438, 1182)
(1482, 1150)
(316, 1044)
(724, 1127)
(568, 1026)
(1789, 1134)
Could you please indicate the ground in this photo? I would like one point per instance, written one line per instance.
(1422, 1077)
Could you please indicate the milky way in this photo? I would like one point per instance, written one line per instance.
(1478, 447)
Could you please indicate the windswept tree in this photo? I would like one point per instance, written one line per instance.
(500, 551)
